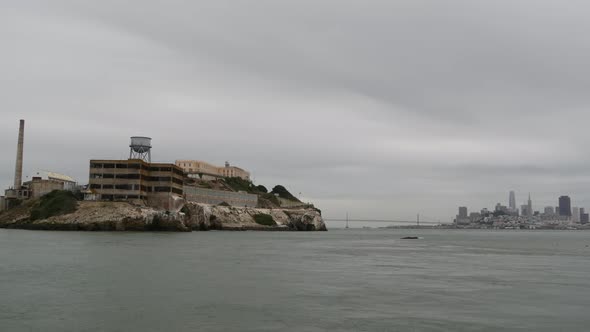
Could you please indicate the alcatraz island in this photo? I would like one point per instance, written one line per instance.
(140, 195)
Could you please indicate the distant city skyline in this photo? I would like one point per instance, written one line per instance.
(564, 208)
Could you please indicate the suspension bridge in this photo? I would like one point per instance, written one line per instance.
(420, 219)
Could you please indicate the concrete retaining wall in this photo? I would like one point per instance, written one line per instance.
(214, 197)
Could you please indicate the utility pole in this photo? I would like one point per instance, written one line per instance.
(418, 219)
(346, 220)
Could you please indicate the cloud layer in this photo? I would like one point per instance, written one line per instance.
(380, 108)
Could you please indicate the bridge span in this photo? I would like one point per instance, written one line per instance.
(366, 221)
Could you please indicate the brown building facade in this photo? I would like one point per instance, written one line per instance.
(160, 185)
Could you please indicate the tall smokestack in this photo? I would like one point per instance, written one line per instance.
(18, 173)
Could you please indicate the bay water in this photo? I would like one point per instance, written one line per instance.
(341, 280)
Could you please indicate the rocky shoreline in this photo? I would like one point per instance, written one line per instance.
(127, 216)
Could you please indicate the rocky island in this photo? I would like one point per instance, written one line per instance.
(140, 195)
(60, 210)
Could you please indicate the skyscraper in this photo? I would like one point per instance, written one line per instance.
(530, 206)
(576, 214)
(462, 212)
(512, 201)
(524, 210)
(565, 206)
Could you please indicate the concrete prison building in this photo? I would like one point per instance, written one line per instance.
(44, 182)
(159, 184)
(206, 171)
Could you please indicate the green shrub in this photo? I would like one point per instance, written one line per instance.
(57, 202)
(272, 198)
(264, 219)
(239, 184)
(284, 193)
(261, 189)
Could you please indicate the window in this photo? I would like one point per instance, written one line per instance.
(128, 176)
(161, 178)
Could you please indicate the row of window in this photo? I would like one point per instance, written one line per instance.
(121, 197)
(135, 187)
(136, 177)
(136, 166)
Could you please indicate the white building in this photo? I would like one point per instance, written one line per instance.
(68, 182)
(576, 214)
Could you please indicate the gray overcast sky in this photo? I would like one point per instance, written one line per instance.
(380, 108)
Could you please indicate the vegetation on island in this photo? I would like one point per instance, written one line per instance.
(56, 203)
(239, 184)
(271, 198)
(264, 219)
(284, 193)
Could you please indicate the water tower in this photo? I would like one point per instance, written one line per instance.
(141, 148)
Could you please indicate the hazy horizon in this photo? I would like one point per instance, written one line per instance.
(380, 109)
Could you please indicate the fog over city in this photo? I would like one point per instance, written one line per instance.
(384, 109)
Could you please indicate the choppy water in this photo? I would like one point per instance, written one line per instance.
(343, 280)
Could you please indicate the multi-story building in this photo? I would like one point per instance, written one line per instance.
(576, 214)
(159, 184)
(462, 217)
(549, 210)
(565, 206)
(524, 211)
(44, 182)
(206, 171)
(512, 201)
(502, 208)
(463, 212)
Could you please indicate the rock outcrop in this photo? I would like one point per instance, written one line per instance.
(125, 216)
(100, 216)
(216, 217)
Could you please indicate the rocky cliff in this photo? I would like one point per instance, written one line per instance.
(124, 216)
(203, 216)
